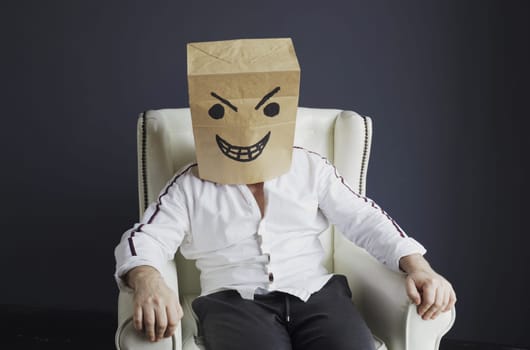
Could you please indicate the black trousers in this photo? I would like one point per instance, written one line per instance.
(279, 321)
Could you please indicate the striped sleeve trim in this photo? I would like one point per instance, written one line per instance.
(372, 203)
(157, 209)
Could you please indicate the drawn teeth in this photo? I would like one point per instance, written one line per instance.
(241, 153)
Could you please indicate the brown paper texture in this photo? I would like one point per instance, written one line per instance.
(243, 98)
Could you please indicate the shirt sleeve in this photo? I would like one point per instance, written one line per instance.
(362, 221)
(155, 239)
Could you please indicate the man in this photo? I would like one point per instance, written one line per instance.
(250, 212)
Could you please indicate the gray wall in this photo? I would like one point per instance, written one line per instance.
(446, 83)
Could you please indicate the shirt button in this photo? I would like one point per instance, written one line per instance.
(271, 277)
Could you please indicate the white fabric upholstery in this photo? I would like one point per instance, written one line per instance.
(165, 144)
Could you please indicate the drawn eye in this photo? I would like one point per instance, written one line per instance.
(272, 109)
(217, 111)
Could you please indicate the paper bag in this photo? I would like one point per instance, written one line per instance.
(243, 97)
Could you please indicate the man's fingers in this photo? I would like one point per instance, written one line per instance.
(428, 299)
(153, 315)
(173, 319)
(149, 322)
(180, 312)
(447, 300)
(161, 322)
(438, 302)
(441, 303)
(435, 293)
(412, 291)
(447, 297)
(137, 318)
(452, 300)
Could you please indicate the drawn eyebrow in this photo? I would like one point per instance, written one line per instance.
(225, 101)
(266, 97)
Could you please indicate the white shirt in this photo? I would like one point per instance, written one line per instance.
(221, 227)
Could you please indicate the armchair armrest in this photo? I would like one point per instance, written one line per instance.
(127, 338)
(380, 295)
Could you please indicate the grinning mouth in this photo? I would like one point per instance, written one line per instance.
(241, 153)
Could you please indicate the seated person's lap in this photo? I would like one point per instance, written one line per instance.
(328, 319)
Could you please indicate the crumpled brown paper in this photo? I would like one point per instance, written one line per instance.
(243, 98)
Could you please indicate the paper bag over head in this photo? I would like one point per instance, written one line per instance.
(243, 97)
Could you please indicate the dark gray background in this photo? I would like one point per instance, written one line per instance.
(446, 83)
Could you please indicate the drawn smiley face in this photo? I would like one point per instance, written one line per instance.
(243, 153)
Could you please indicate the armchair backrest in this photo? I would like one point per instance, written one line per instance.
(165, 145)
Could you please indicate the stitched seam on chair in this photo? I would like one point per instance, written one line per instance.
(143, 181)
(373, 204)
(144, 159)
(365, 151)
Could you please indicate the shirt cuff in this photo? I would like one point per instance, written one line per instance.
(405, 247)
(122, 270)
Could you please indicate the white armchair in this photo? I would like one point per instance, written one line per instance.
(165, 144)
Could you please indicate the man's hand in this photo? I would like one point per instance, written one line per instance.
(157, 310)
(430, 291)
